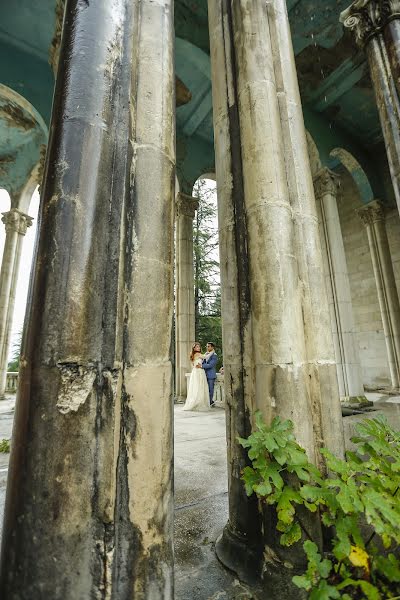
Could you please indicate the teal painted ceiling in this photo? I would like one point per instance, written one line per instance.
(338, 101)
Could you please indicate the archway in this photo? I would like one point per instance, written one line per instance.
(200, 465)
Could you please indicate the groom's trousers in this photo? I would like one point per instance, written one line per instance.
(211, 383)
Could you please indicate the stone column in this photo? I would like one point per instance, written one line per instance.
(90, 480)
(186, 207)
(338, 286)
(275, 311)
(376, 27)
(16, 224)
(373, 217)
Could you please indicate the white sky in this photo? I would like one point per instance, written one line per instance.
(26, 262)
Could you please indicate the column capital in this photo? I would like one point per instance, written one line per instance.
(326, 182)
(372, 212)
(15, 220)
(54, 51)
(366, 18)
(186, 205)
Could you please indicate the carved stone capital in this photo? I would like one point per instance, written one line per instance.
(54, 51)
(366, 18)
(326, 182)
(186, 205)
(372, 212)
(15, 220)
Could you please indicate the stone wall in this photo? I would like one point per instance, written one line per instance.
(367, 316)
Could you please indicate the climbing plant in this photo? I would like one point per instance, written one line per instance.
(358, 504)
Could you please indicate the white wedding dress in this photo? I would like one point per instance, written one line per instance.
(198, 396)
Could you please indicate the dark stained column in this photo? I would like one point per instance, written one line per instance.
(273, 304)
(89, 497)
(376, 28)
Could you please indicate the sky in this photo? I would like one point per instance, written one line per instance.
(26, 262)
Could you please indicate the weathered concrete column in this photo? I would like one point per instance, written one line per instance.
(373, 217)
(145, 504)
(271, 361)
(186, 207)
(16, 223)
(376, 27)
(89, 504)
(348, 366)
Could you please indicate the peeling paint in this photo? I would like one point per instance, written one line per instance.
(15, 116)
(76, 387)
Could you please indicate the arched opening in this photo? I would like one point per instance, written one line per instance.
(355, 194)
(356, 171)
(23, 281)
(201, 482)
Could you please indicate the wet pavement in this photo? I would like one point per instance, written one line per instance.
(201, 495)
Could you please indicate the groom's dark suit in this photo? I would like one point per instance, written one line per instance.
(209, 365)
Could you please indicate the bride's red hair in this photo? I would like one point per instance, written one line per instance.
(191, 356)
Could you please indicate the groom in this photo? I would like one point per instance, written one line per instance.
(209, 365)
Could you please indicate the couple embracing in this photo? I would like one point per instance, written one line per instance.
(202, 378)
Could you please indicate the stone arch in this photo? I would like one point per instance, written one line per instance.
(356, 171)
(23, 134)
(23, 200)
(313, 153)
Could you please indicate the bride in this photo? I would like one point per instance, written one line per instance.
(198, 397)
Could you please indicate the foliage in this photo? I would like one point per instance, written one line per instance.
(13, 365)
(5, 446)
(206, 269)
(357, 503)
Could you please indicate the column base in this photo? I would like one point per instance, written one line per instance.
(355, 402)
(236, 554)
(179, 400)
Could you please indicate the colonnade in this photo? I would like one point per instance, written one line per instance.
(90, 480)
(16, 225)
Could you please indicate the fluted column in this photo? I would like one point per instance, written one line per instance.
(348, 366)
(186, 207)
(373, 217)
(278, 351)
(376, 28)
(16, 224)
(89, 507)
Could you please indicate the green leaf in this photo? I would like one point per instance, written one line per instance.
(370, 591)
(291, 536)
(324, 591)
(285, 509)
(302, 582)
(263, 489)
(322, 567)
(251, 480)
(390, 567)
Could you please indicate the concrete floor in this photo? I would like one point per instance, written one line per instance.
(201, 503)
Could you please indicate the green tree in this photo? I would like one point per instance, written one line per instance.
(207, 290)
(13, 365)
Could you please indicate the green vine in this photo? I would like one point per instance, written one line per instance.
(358, 505)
